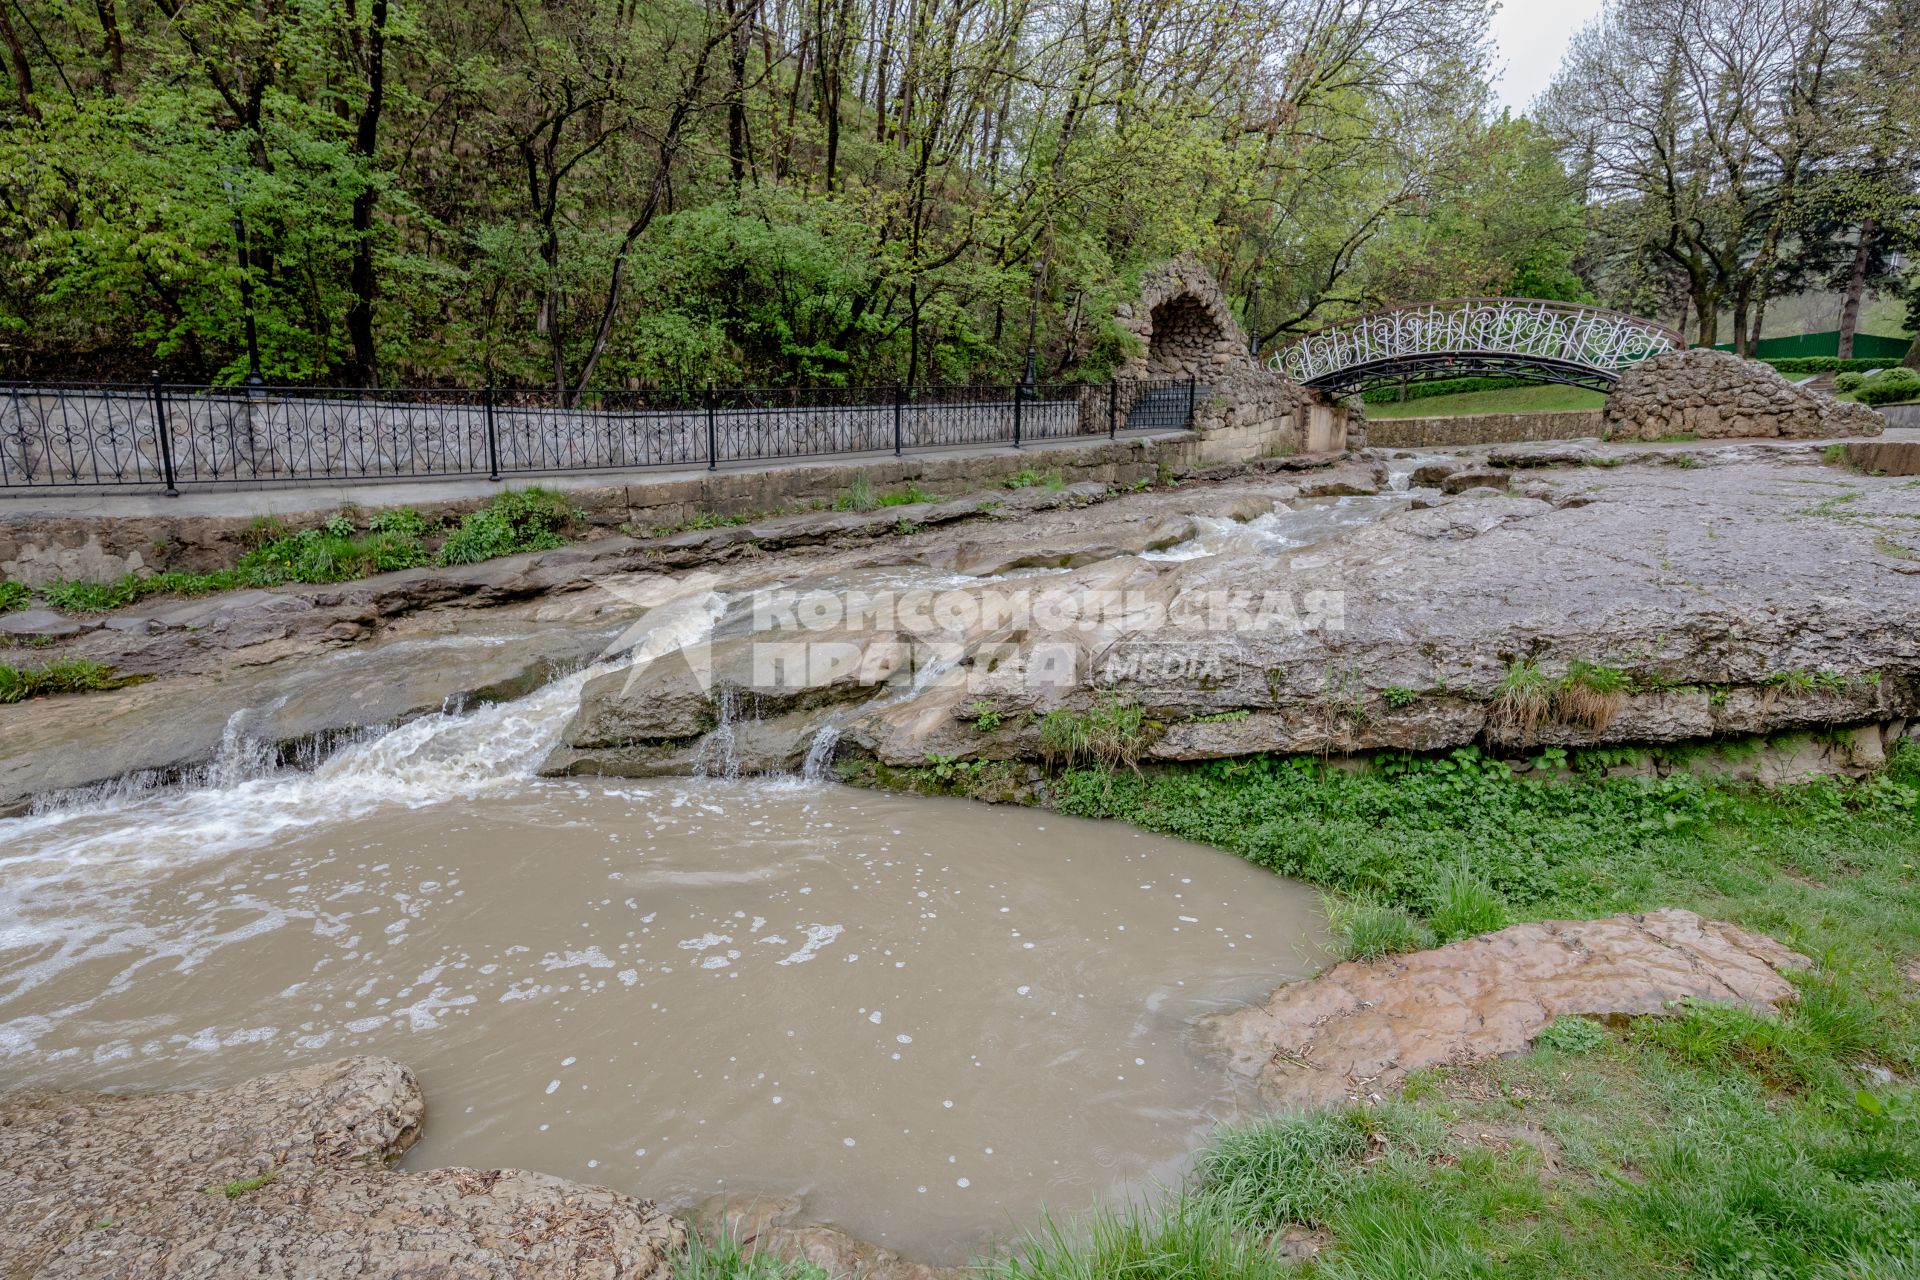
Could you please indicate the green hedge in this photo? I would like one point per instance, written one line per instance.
(1824, 364)
(1895, 386)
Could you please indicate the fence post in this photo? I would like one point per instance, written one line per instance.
(1191, 381)
(713, 435)
(1113, 409)
(899, 403)
(493, 437)
(1019, 394)
(163, 435)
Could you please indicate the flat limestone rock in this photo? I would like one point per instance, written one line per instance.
(1359, 1028)
(41, 622)
(285, 1176)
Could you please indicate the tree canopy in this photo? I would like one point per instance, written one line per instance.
(580, 194)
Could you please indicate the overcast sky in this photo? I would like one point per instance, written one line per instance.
(1531, 35)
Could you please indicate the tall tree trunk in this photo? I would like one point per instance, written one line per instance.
(739, 17)
(18, 64)
(366, 141)
(1856, 287)
(112, 44)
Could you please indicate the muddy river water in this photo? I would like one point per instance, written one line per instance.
(934, 1018)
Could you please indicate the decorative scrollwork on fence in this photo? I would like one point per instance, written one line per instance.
(1527, 337)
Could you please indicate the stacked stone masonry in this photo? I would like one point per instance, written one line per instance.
(1714, 395)
(1242, 410)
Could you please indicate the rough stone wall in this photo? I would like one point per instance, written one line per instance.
(1716, 394)
(1483, 428)
(1245, 410)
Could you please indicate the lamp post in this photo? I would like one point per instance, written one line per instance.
(1028, 378)
(1032, 375)
(254, 379)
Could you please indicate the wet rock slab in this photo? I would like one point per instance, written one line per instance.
(1358, 1029)
(171, 726)
(284, 1175)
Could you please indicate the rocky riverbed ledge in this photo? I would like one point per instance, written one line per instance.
(1731, 591)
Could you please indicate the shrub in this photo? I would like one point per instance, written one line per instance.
(1891, 386)
(516, 521)
(1569, 1034)
(402, 522)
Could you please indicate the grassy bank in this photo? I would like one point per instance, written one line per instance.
(343, 548)
(1710, 1143)
(1534, 399)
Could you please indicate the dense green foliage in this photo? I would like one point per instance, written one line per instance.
(1714, 1142)
(1800, 365)
(518, 520)
(1890, 386)
(583, 195)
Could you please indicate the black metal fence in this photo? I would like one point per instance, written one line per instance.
(165, 436)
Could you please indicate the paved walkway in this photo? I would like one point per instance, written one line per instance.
(292, 498)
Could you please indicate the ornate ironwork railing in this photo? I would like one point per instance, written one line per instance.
(163, 436)
(1475, 337)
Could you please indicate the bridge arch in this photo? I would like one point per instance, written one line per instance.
(1530, 338)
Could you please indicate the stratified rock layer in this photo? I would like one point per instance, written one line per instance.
(1358, 1029)
(1715, 394)
(285, 1176)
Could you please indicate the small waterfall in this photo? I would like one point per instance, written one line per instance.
(241, 759)
(720, 750)
(819, 763)
(245, 797)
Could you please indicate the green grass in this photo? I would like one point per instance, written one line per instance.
(339, 550)
(1533, 399)
(73, 675)
(1028, 478)
(1367, 930)
(724, 1259)
(14, 595)
(1713, 1142)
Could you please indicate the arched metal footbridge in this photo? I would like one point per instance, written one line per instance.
(1475, 338)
